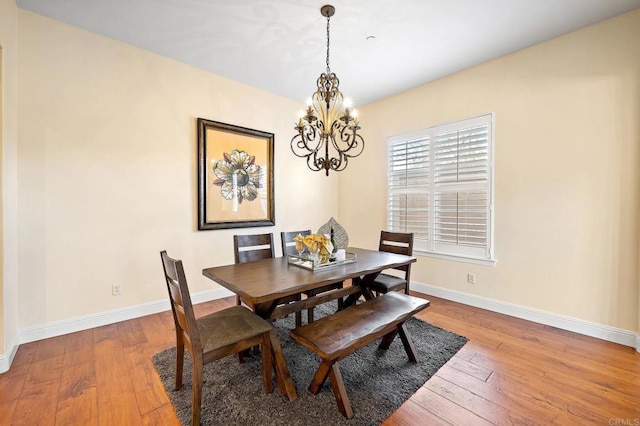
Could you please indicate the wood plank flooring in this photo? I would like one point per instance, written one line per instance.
(510, 372)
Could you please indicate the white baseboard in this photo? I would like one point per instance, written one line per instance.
(7, 358)
(600, 331)
(58, 328)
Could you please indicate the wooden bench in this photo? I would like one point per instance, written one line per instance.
(336, 336)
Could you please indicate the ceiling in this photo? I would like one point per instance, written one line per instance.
(280, 45)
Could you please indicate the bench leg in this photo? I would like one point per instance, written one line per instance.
(285, 384)
(407, 343)
(340, 392)
(320, 377)
(387, 339)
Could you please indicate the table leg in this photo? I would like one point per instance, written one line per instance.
(364, 282)
(264, 310)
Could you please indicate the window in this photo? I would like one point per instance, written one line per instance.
(441, 188)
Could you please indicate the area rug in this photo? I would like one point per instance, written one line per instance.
(377, 381)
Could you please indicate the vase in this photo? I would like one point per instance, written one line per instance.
(314, 256)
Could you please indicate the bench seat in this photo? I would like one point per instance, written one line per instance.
(336, 336)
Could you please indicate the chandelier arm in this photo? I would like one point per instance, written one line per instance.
(301, 143)
(313, 164)
(353, 141)
(357, 144)
(311, 156)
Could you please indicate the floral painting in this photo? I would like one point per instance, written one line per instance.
(238, 176)
(235, 176)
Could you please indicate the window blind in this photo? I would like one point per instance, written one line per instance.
(409, 179)
(440, 187)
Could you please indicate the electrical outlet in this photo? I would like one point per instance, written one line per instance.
(471, 278)
(116, 290)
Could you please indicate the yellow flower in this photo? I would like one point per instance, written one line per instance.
(316, 243)
(299, 240)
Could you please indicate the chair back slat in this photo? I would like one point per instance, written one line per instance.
(183, 316)
(249, 248)
(288, 244)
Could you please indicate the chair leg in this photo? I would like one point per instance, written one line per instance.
(179, 363)
(310, 315)
(196, 386)
(238, 302)
(299, 319)
(266, 362)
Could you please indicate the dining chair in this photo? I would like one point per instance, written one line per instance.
(249, 248)
(399, 243)
(288, 247)
(212, 336)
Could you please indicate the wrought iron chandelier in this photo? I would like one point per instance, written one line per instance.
(329, 125)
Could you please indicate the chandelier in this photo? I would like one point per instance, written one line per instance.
(329, 126)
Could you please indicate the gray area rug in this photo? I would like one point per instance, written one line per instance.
(377, 381)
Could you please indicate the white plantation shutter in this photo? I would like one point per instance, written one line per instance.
(409, 180)
(440, 188)
(409, 164)
(409, 213)
(462, 156)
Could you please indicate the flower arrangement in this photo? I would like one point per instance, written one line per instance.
(316, 244)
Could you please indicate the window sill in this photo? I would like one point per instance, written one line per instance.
(486, 262)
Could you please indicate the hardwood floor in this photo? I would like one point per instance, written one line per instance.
(510, 371)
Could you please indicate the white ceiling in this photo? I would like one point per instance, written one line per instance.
(279, 45)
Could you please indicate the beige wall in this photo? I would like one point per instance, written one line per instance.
(107, 173)
(567, 172)
(1, 215)
(8, 170)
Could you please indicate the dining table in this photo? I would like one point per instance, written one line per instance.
(263, 283)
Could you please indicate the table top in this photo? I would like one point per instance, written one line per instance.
(269, 279)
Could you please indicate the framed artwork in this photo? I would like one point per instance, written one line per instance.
(235, 176)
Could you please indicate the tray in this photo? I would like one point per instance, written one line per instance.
(306, 263)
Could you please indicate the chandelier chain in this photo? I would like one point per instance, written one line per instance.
(328, 68)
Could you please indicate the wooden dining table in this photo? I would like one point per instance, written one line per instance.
(263, 283)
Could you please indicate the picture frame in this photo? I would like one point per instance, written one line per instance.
(235, 176)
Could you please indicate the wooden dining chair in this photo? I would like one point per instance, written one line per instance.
(288, 247)
(249, 248)
(400, 243)
(212, 336)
